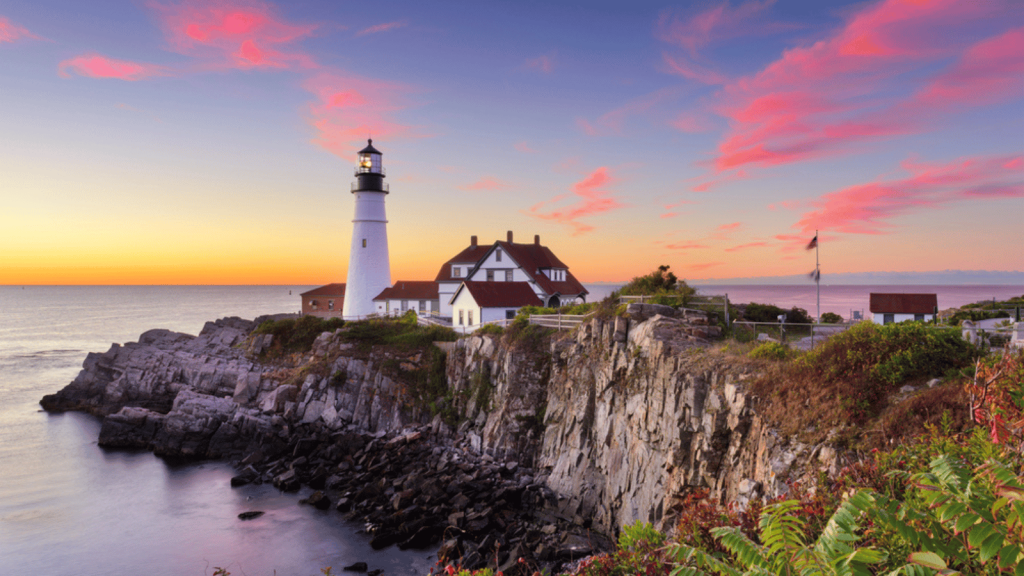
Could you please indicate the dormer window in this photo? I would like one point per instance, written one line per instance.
(456, 272)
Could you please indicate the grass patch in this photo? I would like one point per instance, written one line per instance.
(296, 335)
(848, 380)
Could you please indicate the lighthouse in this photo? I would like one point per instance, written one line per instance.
(369, 267)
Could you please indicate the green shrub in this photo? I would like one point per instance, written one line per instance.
(291, 335)
(659, 283)
(640, 535)
(831, 318)
(755, 312)
(490, 330)
(771, 351)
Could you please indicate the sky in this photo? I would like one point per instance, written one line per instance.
(213, 142)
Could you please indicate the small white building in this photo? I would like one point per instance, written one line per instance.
(507, 261)
(405, 295)
(476, 303)
(889, 308)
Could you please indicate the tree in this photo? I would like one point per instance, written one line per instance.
(660, 282)
(831, 318)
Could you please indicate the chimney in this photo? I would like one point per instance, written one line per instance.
(509, 236)
(536, 239)
(472, 241)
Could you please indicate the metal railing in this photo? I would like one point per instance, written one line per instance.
(713, 300)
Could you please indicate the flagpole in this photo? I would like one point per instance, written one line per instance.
(817, 273)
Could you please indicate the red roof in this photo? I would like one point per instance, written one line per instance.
(500, 294)
(410, 290)
(533, 257)
(326, 290)
(470, 255)
(903, 303)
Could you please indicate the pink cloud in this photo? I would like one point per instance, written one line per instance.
(716, 23)
(543, 63)
(386, 27)
(686, 245)
(870, 208)
(860, 83)
(615, 121)
(10, 32)
(594, 198)
(705, 186)
(523, 147)
(704, 265)
(730, 227)
(234, 34)
(487, 183)
(693, 71)
(96, 66)
(670, 214)
(691, 123)
(348, 109)
(747, 246)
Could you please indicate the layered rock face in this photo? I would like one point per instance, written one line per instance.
(616, 419)
(626, 415)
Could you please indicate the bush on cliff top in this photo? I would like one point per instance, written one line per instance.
(291, 335)
(849, 378)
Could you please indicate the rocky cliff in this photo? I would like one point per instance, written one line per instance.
(626, 415)
(605, 425)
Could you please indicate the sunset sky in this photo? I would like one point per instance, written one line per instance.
(212, 142)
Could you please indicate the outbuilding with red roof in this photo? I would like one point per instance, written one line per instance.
(476, 303)
(889, 308)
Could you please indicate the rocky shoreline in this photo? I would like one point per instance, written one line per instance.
(540, 449)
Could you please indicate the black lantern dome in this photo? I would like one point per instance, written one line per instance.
(370, 171)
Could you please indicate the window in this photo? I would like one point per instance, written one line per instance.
(497, 255)
(508, 275)
(460, 317)
(888, 319)
(330, 304)
(919, 317)
(405, 305)
(364, 242)
(313, 304)
(470, 314)
(490, 275)
(423, 305)
(456, 271)
(510, 314)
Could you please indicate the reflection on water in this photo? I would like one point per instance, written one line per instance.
(70, 507)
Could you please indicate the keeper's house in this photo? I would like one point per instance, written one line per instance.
(325, 301)
(889, 308)
(508, 262)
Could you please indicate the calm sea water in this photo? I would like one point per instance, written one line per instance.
(68, 506)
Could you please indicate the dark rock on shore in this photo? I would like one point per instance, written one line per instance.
(250, 515)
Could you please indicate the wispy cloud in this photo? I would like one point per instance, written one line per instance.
(871, 208)
(488, 183)
(723, 21)
(544, 63)
(234, 34)
(348, 109)
(748, 246)
(522, 146)
(11, 32)
(386, 27)
(593, 198)
(614, 121)
(97, 66)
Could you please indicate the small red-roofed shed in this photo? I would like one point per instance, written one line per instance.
(326, 301)
(889, 308)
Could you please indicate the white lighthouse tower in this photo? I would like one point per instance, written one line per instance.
(369, 267)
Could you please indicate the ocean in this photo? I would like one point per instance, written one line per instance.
(69, 506)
